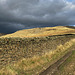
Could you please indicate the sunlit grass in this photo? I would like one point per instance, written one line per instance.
(40, 32)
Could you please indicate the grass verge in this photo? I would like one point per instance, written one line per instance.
(68, 67)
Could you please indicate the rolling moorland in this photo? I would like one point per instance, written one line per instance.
(32, 51)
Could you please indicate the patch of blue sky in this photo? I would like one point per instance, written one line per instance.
(70, 0)
(72, 25)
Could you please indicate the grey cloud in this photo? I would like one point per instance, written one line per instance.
(20, 14)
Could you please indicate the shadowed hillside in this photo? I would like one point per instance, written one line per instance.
(1, 34)
(70, 27)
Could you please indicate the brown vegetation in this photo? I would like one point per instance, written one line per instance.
(29, 56)
(41, 32)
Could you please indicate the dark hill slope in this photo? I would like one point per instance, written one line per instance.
(1, 34)
(70, 27)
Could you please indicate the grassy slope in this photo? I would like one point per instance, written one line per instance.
(29, 66)
(41, 32)
(27, 56)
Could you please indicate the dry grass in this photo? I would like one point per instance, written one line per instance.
(40, 32)
(68, 67)
(29, 66)
(55, 47)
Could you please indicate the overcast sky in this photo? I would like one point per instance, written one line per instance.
(22, 14)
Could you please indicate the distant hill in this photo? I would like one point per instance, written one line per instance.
(1, 34)
(70, 27)
(41, 32)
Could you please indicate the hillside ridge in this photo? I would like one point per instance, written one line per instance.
(41, 32)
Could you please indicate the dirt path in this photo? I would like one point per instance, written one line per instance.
(53, 68)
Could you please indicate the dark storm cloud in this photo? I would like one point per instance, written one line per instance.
(20, 14)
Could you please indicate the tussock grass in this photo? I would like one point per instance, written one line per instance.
(33, 65)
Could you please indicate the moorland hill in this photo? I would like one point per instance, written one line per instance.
(31, 51)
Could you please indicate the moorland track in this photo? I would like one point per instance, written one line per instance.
(54, 67)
